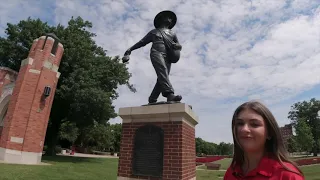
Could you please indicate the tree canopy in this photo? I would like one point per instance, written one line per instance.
(209, 148)
(89, 78)
(307, 111)
(304, 136)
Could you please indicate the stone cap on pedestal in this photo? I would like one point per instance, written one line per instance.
(159, 113)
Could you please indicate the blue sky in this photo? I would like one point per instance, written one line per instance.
(233, 50)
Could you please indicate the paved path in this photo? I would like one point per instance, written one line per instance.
(88, 155)
(211, 170)
(42, 163)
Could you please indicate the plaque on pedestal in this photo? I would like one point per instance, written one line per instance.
(148, 151)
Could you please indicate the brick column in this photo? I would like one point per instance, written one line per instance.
(177, 122)
(26, 121)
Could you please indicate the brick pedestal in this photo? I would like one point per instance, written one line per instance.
(27, 116)
(177, 122)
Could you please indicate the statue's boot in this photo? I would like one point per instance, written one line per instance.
(151, 100)
(172, 97)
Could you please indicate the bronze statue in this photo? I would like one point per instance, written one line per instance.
(165, 50)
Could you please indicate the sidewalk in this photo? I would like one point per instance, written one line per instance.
(88, 155)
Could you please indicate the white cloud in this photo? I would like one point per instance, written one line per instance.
(266, 50)
(16, 10)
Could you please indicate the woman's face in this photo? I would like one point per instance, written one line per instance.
(251, 131)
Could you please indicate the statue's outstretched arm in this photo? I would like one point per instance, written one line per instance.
(144, 41)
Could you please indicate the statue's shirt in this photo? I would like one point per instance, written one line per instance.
(155, 37)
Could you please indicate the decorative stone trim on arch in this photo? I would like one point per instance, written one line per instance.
(5, 99)
(3, 109)
(4, 103)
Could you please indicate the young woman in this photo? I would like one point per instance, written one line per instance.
(259, 152)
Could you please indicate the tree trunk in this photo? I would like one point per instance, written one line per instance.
(52, 138)
(315, 150)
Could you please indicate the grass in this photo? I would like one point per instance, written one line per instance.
(224, 163)
(66, 168)
(76, 168)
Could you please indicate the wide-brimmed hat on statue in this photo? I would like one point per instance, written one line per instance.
(157, 20)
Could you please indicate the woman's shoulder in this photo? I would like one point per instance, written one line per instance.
(228, 173)
(287, 171)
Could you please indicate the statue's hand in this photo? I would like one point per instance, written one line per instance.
(125, 58)
(177, 46)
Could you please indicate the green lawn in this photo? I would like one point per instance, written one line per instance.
(63, 168)
(73, 168)
(224, 163)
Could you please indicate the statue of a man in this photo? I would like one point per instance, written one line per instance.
(159, 54)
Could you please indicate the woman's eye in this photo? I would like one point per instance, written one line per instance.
(239, 123)
(255, 125)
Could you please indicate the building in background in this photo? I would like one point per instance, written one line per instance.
(286, 132)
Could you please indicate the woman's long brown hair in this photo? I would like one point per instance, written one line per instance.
(274, 145)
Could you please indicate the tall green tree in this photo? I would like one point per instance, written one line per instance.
(209, 148)
(68, 131)
(225, 148)
(308, 111)
(116, 130)
(98, 137)
(292, 145)
(304, 136)
(89, 78)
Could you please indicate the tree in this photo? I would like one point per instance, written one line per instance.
(209, 148)
(88, 81)
(292, 144)
(68, 131)
(98, 137)
(304, 136)
(225, 148)
(204, 147)
(116, 130)
(308, 111)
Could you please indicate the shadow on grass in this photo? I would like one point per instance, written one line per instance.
(69, 159)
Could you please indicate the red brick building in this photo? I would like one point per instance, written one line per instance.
(286, 132)
(26, 99)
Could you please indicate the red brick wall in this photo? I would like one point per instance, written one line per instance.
(28, 112)
(189, 152)
(179, 151)
(286, 133)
